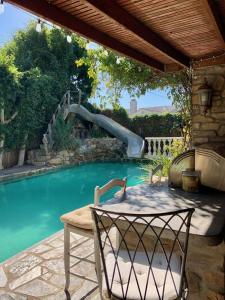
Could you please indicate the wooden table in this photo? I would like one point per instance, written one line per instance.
(208, 219)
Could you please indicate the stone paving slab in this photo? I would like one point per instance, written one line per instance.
(38, 272)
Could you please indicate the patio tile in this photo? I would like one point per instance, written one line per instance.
(3, 278)
(94, 296)
(54, 237)
(84, 291)
(6, 297)
(11, 296)
(56, 243)
(34, 273)
(24, 265)
(76, 237)
(55, 253)
(41, 248)
(59, 280)
(15, 259)
(86, 269)
(39, 273)
(37, 288)
(84, 250)
(55, 265)
(58, 296)
(47, 276)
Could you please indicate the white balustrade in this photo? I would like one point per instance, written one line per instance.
(160, 145)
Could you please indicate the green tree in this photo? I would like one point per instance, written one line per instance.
(33, 112)
(53, 56)
(9, 87)
(120, 73)
(42, 68)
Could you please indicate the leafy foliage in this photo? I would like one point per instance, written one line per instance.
(41, 67)
(120, 73)
(62, 135)
(175, 149)
(9, 84)
(98, 132)
(118, 114)
(157, 125)
(147, 125)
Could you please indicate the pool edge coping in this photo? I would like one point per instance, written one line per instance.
(50, 169)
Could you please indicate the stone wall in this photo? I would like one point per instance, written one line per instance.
(209, 130)
(206, 263)
(205, 271)
(89, 150)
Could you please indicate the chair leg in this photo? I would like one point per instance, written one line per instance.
(67, 255)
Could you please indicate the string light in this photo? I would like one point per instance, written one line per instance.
(87, 47)
(69, 38)
(211, 58)
(38, 26)
(2, 8)
(118, 60)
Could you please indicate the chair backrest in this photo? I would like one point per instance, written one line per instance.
(99, 191)
(143, 255)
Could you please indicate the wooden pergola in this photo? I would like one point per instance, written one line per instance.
(164, 34)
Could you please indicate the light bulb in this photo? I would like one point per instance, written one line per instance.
(87, 46)
(2, 7)
(105, 52)
(69, 39)
(118, 60)
(38, 26)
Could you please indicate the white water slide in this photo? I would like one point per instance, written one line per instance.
(135, 144)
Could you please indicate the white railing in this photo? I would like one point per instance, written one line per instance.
(160, 145)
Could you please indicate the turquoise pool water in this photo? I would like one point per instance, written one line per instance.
(30, 208)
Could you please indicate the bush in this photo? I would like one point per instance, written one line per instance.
(98, 132)
(62, 135)
(147, 125)
(157, 125)
(119, 115)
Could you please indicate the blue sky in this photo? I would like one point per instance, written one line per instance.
(14, 19)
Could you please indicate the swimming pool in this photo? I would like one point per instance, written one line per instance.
(30, 208)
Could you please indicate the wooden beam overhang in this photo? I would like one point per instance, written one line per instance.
(220, 60)
(124, 18)
(52, 13)
(213, 14)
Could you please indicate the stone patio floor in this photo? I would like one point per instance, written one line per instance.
(38, 272)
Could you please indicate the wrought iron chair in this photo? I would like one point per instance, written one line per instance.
(80, 222)
(147, 259)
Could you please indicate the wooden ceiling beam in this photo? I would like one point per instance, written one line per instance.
(212, 11)
(120, 15)
(219, 60)
(48, 11)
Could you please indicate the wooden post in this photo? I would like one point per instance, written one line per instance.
(96, 196)
(67, 255)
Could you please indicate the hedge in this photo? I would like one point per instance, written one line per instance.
(148, 125)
